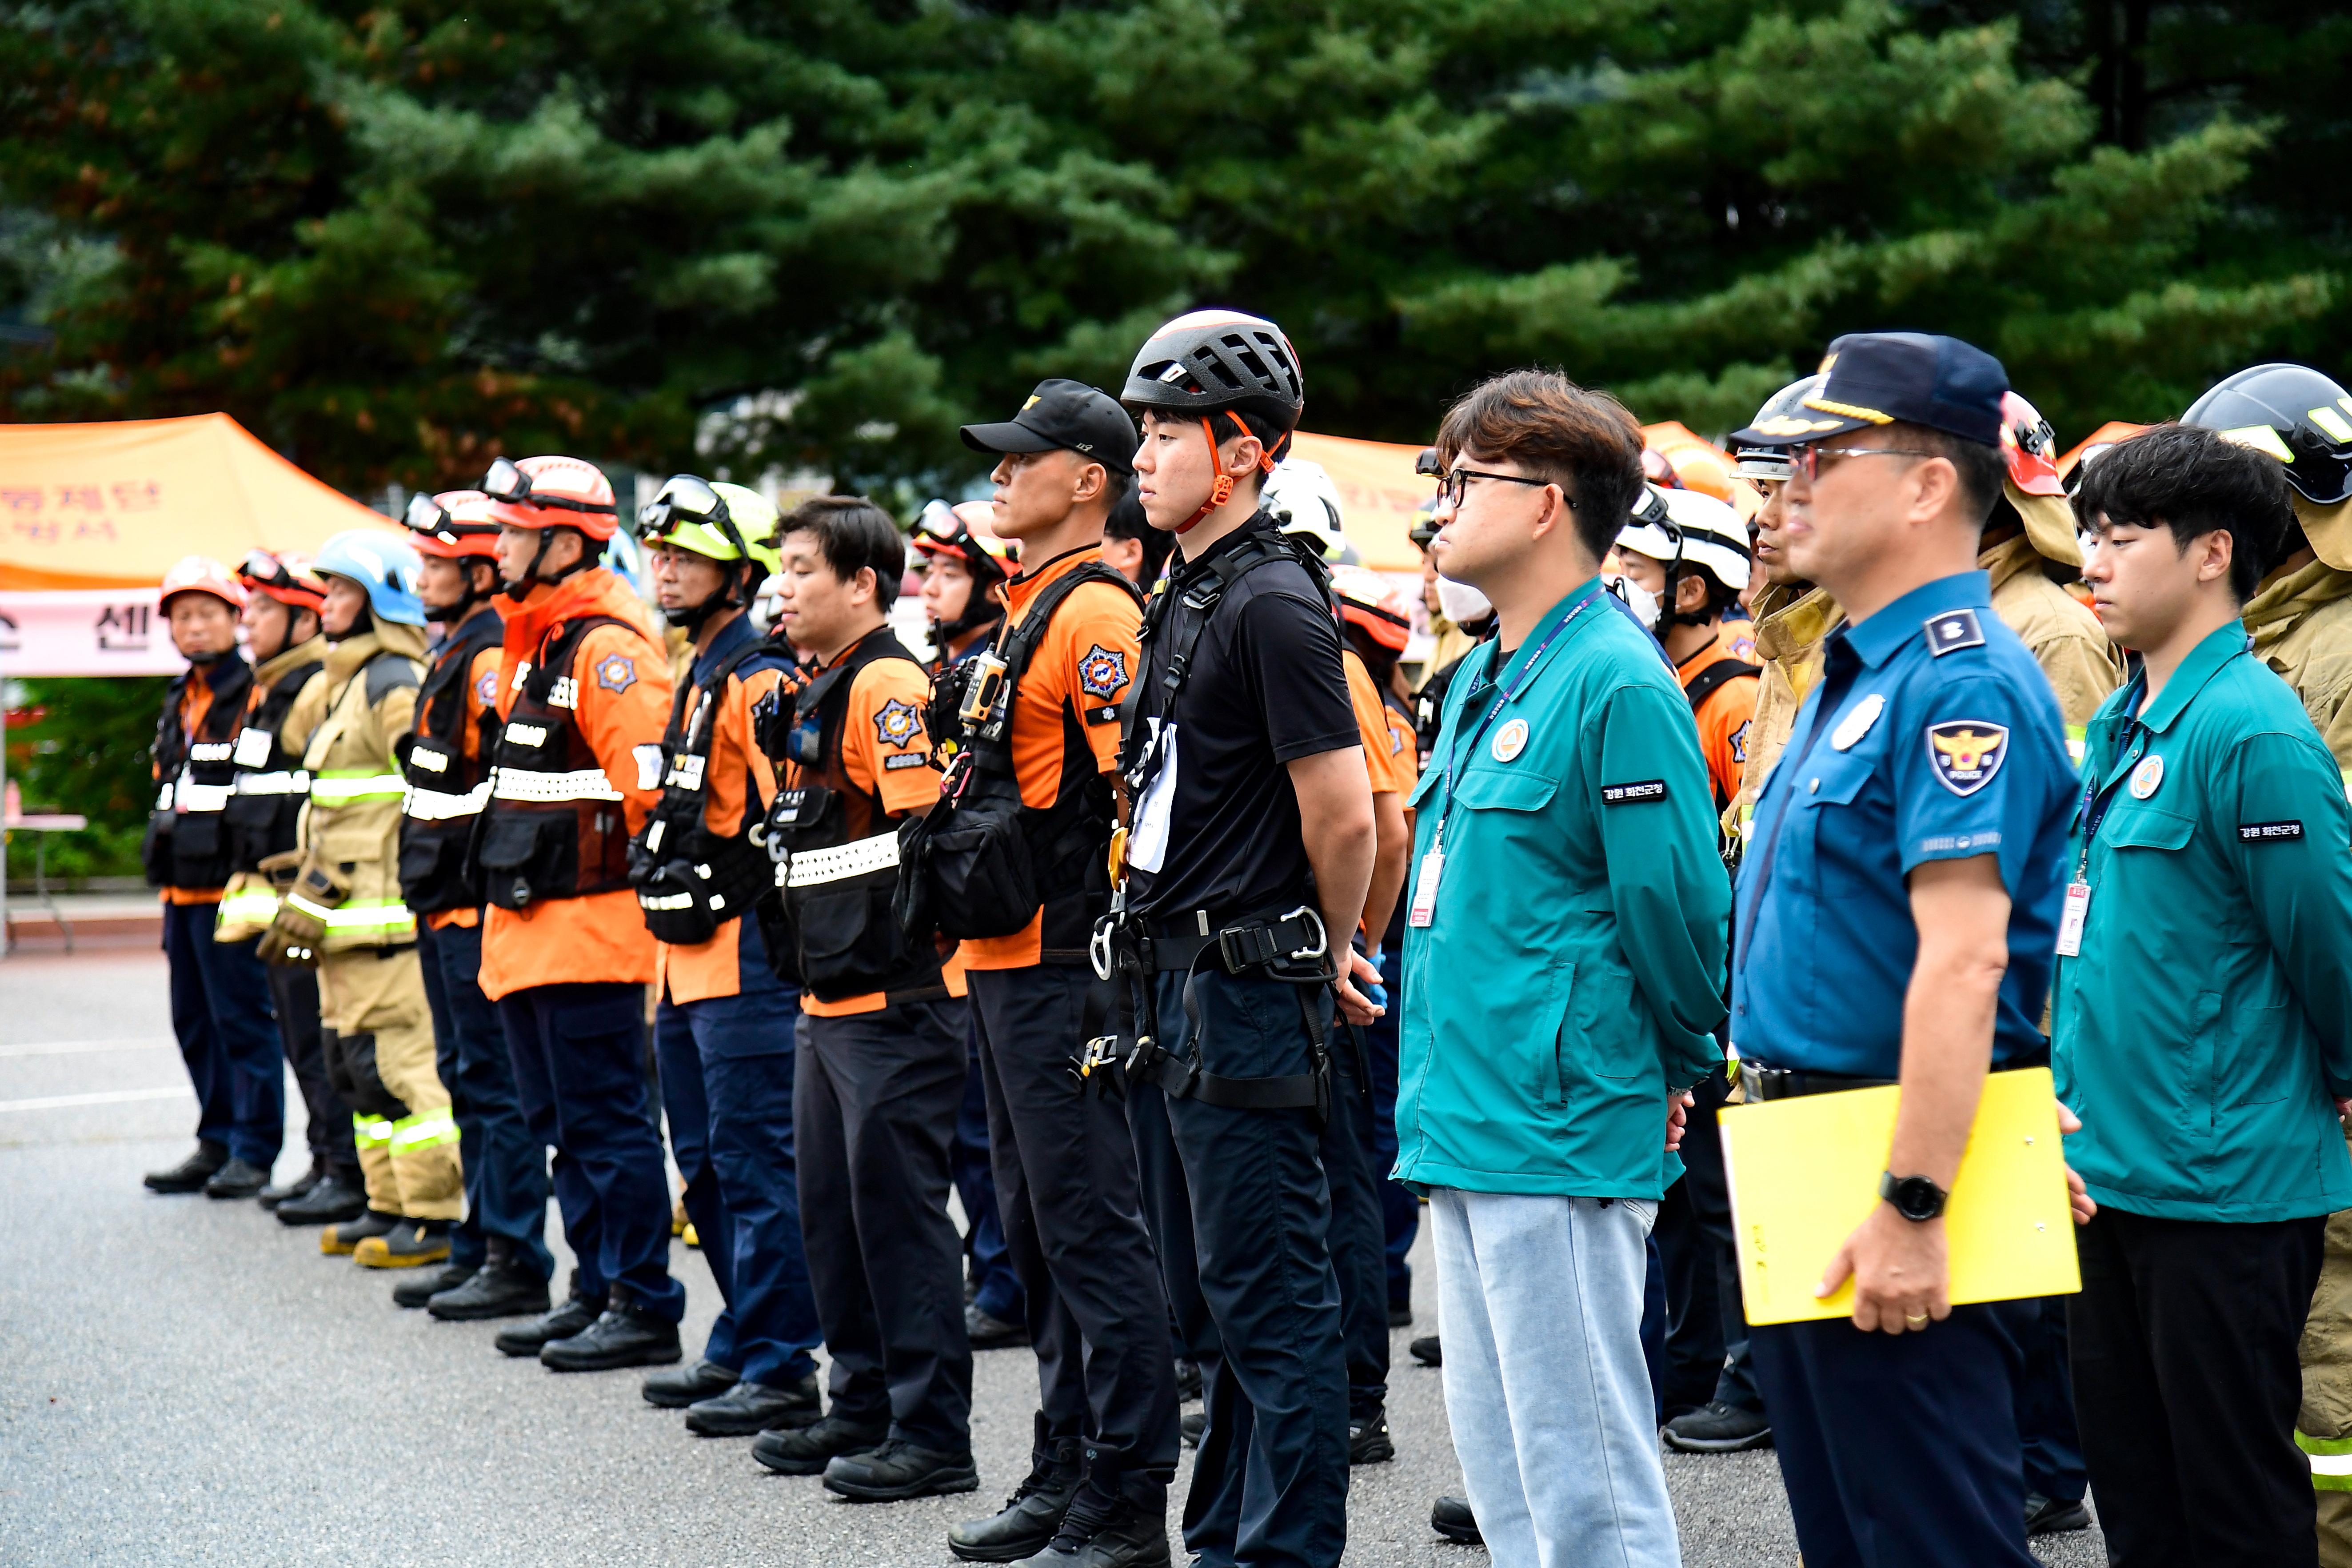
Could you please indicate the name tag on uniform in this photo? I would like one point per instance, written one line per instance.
(2070, 920)
(1424, 908)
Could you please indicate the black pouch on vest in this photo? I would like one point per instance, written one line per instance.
(849, 945)
(981, 875)
(521, 850)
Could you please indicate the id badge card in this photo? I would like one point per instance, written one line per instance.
(2070, 920)
(1424, 908)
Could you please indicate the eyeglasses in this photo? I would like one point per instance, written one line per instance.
(506, 481)
(1456, 483)
(1806, 458)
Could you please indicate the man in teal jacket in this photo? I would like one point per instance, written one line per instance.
(1564, 961)
(2203, 1020)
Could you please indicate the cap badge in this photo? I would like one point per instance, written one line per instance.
(2147, 778)
(1033, 400)
(1509, 741)
(1966, 753)
(1856, 724)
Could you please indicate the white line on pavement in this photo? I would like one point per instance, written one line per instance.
(86, 1047)
(109, 1097)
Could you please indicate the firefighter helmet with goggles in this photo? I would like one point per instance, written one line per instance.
(1787, 406)
(1373, 603)
(1686, 531)
(383, 565)
(288, 579)
(966, 531)
(201, 575)
(729, 524)
(454, 525)
(2032, 487)
(553, 492)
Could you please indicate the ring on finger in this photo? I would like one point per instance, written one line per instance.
(1916, 1319)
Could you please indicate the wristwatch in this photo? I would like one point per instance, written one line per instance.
(1916, 1199)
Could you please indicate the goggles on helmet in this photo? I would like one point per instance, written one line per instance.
(273, 575)
(944, 530)
(507, 481)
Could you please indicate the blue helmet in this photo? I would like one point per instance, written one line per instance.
(383, 563)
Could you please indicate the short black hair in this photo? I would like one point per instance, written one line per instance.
(852, 534)
(1585, 442)
(1981, 467)
(2193, 481)
(1127, 522)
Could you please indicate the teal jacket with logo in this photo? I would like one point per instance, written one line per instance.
(2206, 1024)
(1572, 969)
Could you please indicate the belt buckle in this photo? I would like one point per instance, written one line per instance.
(1256, 939)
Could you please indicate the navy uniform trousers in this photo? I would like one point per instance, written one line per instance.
(505, 1164)
(294, 997)
(222, 1016)
(579, 1053)
(1901, 1450)
(991, 1278)
(875, 1098)
(1270, 1482)
(1706, 1326)
(727, 1080)
(1073, 1218)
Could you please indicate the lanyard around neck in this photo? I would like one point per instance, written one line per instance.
(1510, 694)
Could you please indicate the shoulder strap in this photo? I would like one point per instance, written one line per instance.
(1711, 680)
(1218, 574)
(697, 739)
(1021, 642)
(559, 646)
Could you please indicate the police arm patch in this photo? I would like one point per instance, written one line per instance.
(1965, 753)
(897, 723)
(616, 672)
(1102, 671)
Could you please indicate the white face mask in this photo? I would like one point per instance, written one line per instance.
(1461, 602)
(1638, 599)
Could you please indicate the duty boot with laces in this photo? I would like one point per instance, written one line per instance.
(1367, 1438)
(806, 1450)
(1032, 1513)
(1451, 1517)
(1105, 1532)
(899, 1469)
(237, 1179)
(624, 1334)
(500, 1287)
(750, 1409)
(576, 1313)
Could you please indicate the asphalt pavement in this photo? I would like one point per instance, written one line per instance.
(188, 1382)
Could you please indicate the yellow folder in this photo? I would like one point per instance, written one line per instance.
(1805, 1173)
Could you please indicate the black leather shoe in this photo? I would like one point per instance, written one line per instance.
(1107, 1533)
(899, 1469)
(237, 1179)
(500, 1287)
(2055, 1516)
(1451, 1517)
(190, 1173)
(1189, 1426)
(690, 1383)
(1427, 1351)
(1367, 1438)
(331, 1201)
(1399, 1315)
(1188, 1382)
(806, 1450)
(624, 1335)
(991, 1333)
(344, 1237)
(1027, 1522)
(1717, 1427)
(426, 1284)
(576, 1313)
(278, 1192)
(753, 1407)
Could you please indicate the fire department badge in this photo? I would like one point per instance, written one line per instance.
(897, 723)
(1102, 671)
(486, 689)
(1966, 753)
(616, 672)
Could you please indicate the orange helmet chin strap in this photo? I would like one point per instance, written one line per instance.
(1222, 490)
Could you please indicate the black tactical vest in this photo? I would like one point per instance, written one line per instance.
(447, 791)
(553, 825)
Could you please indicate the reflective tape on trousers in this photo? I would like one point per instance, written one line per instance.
(546, 789)
(369, 1132)
(425, 1129)
(2331, 1462)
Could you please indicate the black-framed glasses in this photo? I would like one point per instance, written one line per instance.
(506, 481)
(1456, 484)
(1806, 458)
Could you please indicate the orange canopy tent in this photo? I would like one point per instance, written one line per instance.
(111, 505)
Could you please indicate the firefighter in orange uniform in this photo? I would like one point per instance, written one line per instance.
(881, 1046)
(1688, 553)
(584, 694)
(220, 993)
(498, 1263)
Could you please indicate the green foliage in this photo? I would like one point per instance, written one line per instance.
(397, 239)
(88, 752)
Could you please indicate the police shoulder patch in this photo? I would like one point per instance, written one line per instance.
(896, 723)
(616, 672)
(1102, 671)
(1952, 631)
(1967, 753)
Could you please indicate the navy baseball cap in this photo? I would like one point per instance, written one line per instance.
(1062, 416)
(1878, 378)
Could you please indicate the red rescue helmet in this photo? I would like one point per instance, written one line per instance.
(454, 525)
(285, 578)
(552, 492)
(202, 574)
(1370, 601)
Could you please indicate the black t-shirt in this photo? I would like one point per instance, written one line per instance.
(1266, 687)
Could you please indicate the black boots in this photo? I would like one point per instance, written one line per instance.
(190, 1173)
(1367, 1438)
(500, 1287)
(897, 1470)
(334, 1199)
(625, 1335)
(237, 1179)
(281, 1192)
(576, 1313)
(675, 1387)
(339, 1240)
(750, 1409)
(1026, 1523)
(423, 1285)
(806, 1450)
(1451, 1517)
(1102, 1531)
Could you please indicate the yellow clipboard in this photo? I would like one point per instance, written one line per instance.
(1805, 1173)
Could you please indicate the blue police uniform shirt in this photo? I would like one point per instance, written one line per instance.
(1932, 735)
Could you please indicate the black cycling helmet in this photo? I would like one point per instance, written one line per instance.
(1783, 409)
(2295, 414)
(1212, 361)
